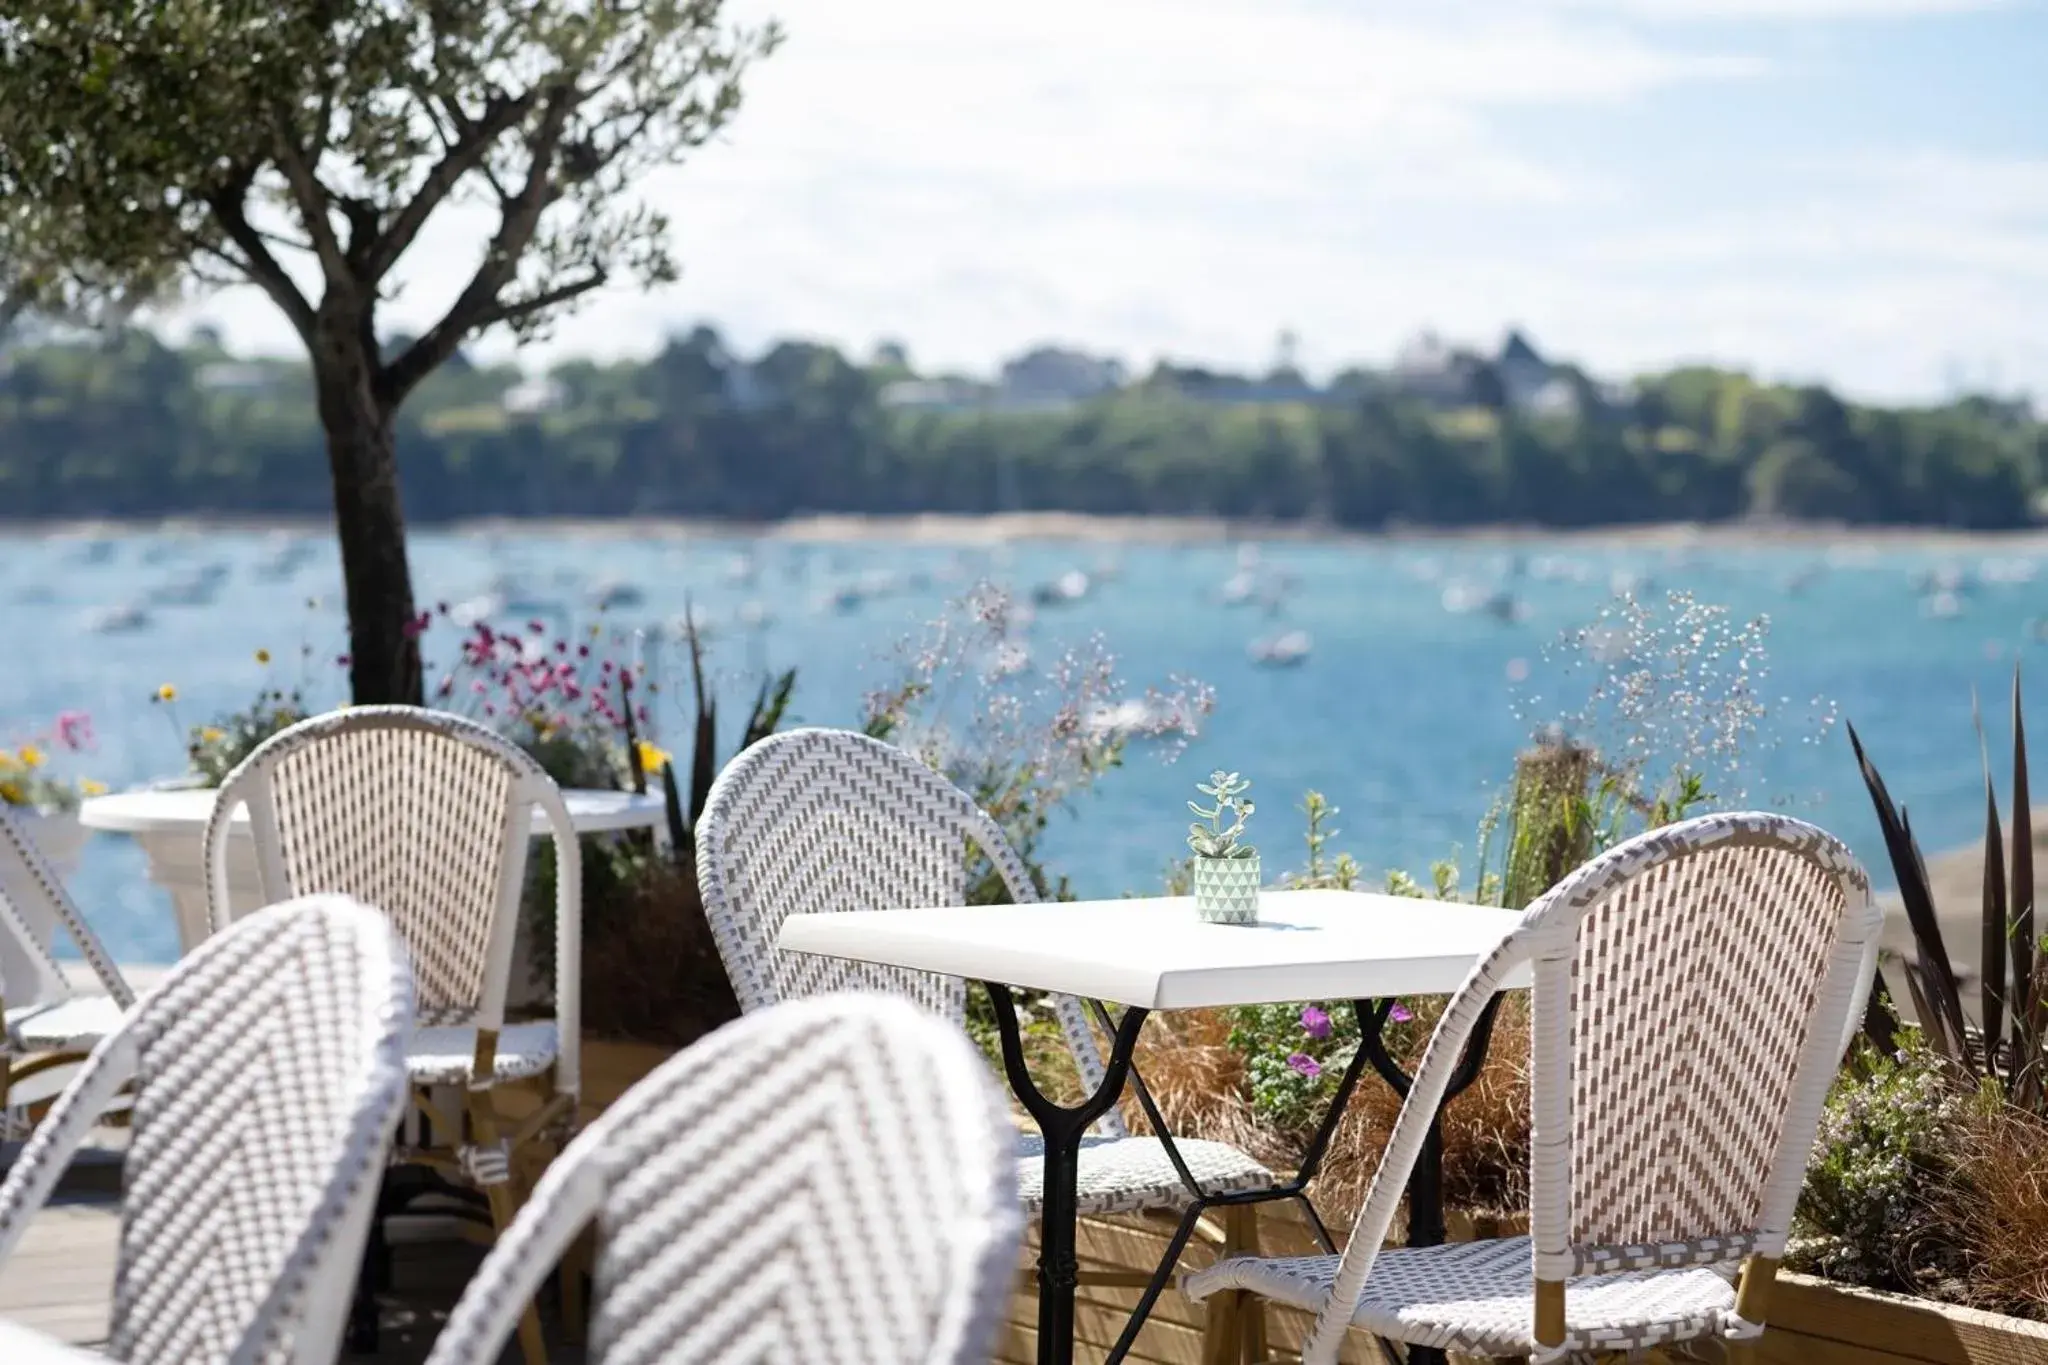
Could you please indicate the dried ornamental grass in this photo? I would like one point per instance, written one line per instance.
(1202, 1086)
(2000, 1208)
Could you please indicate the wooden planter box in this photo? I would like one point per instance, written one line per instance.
(1815, 1322)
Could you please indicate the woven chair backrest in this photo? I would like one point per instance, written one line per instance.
(829, 1181)
(424, 814)
(818, 821)
(1694, 984)
(269, 1070)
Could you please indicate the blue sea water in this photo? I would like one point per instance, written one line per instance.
(1405, 714)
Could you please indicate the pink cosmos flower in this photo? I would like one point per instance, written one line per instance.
(74, 730)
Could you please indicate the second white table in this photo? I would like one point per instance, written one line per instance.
(1155, 954)
(170, 824)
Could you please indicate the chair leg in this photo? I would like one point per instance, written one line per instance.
(1752, 1304)
(1221, 1317)
(575, 1265)
(360, 1336)
(483, 1129)
(1241, 1227)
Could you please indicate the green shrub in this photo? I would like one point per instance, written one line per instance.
(1871, 1211)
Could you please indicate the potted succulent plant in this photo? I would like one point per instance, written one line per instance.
(1226, 870)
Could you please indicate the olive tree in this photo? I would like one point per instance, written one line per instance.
(303, 147)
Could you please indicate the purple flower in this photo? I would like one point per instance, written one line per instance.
(1314, 1022)
(1305, 1064)
(1400, 1014)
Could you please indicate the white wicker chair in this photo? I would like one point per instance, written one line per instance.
(428, 816)
(50, 1024)
(817, 821)
(269, 1070)
(1694, 990)
(826, 1182)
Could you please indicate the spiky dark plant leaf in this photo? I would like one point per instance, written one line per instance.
(2027, 1002)
(682, 839)
(771, 704)
(1931, 977)
(1997, 926)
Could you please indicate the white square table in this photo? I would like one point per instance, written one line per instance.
(25, 1346)
(1155, 954)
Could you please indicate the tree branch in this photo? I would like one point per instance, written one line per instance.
(464, 155)
(311, 197)
(361, 217)
(522, 309)
(230, 210)
(500, 264)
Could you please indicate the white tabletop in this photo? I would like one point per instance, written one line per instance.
(188, 808)
(1154, 953)
(23, 1346)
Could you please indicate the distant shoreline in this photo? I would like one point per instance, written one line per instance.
(1009, 527)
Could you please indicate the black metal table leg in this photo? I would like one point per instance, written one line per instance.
(1063, 1129)
(1426, 1182)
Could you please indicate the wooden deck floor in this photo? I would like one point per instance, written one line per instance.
(60, 1278)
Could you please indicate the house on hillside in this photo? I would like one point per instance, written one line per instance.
(1225, 389)
(944, 394)
(236, 376)
(1427, 371)
(531, 396)
(1052, 376)
(1530, 384)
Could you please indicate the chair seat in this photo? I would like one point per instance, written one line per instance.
(1133, 1174)
(443, 1054)
(1476, 1298)
(73, 1024)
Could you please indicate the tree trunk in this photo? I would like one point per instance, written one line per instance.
(362, 456)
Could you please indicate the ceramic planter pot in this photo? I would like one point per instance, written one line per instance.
(1227, 890)
(56, 833)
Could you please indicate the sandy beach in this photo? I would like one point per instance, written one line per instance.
(1019, 527)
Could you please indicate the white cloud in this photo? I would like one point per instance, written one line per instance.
(1188, 176)
(1783, 11)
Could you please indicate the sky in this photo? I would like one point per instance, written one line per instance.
(1846, 191)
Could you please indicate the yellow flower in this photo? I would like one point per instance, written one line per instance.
(10, 792)
(262, 656)
(212, 736)
(92, 788)
(652, 759)
(31, 756)
(167, 693)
